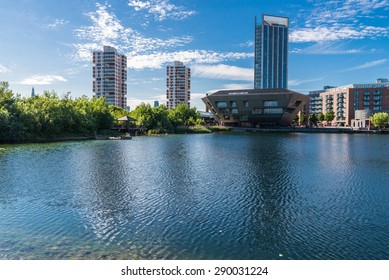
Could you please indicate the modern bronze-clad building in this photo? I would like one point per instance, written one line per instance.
(255, 107)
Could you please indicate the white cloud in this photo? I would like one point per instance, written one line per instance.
(42, 80)
(345, 11)
(335, 33)
(339, 20)
(299, 82)
(238, 86)
(232, 87)
(142, 52)
(3, 69)
(247, 44)
(328, 48)
(106, 29)
(366, 65)
(57, 23)
(222, 71)
(157, 60)
(196, 96)
(161, 9)
(83, 52)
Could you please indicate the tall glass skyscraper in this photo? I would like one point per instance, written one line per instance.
(271, 53)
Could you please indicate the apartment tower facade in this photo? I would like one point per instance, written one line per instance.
(177, 85)
(271, 53)
(110, 76)
(344, 101)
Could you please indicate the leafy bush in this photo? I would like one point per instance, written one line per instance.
(48, 116)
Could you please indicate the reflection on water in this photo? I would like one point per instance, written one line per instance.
(218, 196)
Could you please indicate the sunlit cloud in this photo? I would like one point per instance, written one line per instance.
(335, 33)
(222, 71)
(4, 69)
(328, 48)
(157, 60)
(340, 20)
(42, 80)
(57, 23)
(106, 29)
(247, 44)
(238, 86)
(299, 82)
(366, 65)
(142, 52)
(345, 11)
(161, 9)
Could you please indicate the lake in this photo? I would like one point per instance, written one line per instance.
(204, 196)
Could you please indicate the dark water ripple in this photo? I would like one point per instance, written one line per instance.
(219, 196)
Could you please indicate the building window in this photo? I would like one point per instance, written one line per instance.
(257, 111)
(270, 103)
(221, 104)
(366, 98)
(366, 103)
(356, 93)
(377, 92)
(273, 111)
(356, 97)
(233, 104)
(377, 108)
(379, 97)
(245, 103)
(234, 111)
(244, 118)
(366, 93)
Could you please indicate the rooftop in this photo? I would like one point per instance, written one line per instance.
(253, 91)
(275, 20)
(380, 83)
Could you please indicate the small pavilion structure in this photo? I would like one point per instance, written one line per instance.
(127, 124)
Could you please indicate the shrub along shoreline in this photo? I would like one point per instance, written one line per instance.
(50, 118)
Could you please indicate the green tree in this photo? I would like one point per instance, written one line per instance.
(48, 115)
(380, 120)
(163, 123)
(144, 116)
(313, 119)
(183, 115)
(101, 113)
(303, 119)
(10, 127)
(321, 117)
(329, 116)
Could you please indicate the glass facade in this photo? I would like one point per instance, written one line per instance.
(270, 103)
(271, 53)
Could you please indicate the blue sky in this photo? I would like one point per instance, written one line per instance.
(48, 44)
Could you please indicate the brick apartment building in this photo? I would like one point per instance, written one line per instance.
(345, 100)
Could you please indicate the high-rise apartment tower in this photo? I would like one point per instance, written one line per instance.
(177, 85)
(271, 53)
(110, 76)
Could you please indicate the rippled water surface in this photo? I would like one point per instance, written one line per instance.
(214, 196)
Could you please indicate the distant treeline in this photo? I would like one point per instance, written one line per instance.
(49, 116)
